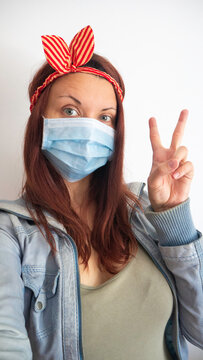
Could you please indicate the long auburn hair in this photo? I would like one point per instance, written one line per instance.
(45, 190)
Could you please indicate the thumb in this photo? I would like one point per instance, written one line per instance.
(170, 166)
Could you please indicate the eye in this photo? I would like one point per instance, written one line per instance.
(106, 118)
(70, 112)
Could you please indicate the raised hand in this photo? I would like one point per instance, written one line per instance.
(171, 175)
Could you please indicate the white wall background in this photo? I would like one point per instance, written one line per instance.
(157, 45)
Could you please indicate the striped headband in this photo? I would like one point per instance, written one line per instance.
(70, 59)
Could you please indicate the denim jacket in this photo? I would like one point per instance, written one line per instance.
(40, 305)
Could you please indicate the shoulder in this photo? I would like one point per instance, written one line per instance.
(16, 207)
(11, 211)
(18, 228)
(136, 187)
(15, 219)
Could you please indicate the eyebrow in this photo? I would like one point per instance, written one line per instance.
(78, 101)
(72, 97)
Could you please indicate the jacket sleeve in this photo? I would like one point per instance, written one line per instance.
(14, 341)
(181, 246)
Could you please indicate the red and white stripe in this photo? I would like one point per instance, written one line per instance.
(66, 59)
(82, 46)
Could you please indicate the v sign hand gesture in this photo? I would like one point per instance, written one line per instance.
(171, 175)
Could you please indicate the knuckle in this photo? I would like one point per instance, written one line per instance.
(184, 149)
(190, 165)
(181, 153)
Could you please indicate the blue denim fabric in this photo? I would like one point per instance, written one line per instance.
(40, 310)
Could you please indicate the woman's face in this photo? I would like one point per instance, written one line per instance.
(82, 95)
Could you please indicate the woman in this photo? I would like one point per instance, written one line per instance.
(90, 267)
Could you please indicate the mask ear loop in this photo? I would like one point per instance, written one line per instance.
(43, 132)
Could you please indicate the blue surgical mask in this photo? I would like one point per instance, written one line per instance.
(76, 147)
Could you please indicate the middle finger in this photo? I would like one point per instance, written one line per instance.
(181, 154)
(179, 130)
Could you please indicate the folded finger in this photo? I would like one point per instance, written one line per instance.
(185, 169)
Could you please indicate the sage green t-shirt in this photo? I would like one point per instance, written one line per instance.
(125, 317)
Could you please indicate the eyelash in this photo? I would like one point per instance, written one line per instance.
(70, 108)
(110, 118)
(77, 113)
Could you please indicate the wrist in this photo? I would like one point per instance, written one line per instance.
(166, 206)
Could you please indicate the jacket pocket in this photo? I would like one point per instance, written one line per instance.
(42, 297)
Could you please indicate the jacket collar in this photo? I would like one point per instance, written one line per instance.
(18, 208)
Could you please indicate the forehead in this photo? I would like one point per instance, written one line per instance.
(84, 85)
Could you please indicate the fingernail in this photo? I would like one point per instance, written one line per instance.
(176, 175)
(172, 164)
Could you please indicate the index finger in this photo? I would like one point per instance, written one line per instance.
(154, 134)
(179, 130)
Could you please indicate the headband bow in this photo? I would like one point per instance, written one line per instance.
(66, 59)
